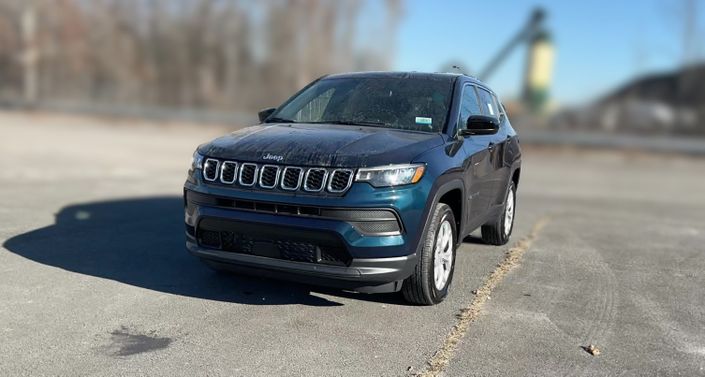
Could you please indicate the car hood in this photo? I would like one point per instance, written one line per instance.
(321, 145)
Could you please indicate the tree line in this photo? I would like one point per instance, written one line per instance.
(212, 54)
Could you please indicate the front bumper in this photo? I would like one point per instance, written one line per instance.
(372, 263)
(362, 275)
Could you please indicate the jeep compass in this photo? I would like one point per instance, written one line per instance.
(361, 181)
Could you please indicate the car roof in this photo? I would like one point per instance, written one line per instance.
(404, 75)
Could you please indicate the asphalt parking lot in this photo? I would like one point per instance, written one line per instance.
(94, 278)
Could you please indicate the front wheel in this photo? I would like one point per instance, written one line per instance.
(429, 283)
(498, 232)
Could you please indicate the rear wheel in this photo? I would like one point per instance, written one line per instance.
(498, 232)
(433, 274)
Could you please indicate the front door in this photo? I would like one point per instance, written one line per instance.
(494, 188)
(479, 167)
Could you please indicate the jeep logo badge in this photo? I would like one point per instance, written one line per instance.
(274, 157)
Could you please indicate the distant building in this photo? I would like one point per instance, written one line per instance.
(666, 103)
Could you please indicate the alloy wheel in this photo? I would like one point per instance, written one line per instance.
(443, 255)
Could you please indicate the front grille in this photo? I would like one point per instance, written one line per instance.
(297, 251)
(248, 174)
(291, 180)
(340, 180)
(276, 177)
(228, 172)
(269, 176)
(210, 169)
(315, 179)
(209, 238)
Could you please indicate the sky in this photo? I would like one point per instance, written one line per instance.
(599, 44)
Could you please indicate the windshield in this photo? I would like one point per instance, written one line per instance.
(418, 104)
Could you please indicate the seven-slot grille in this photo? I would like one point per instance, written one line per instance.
(289, 178)
(340, 180)
(228, 172)
(269, 176)
(248, 174)
(315, 179)
(210, 169)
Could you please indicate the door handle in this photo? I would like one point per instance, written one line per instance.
(491, 146)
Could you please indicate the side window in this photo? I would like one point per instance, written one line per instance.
(469, 105)
(488, 104)
(313, 111)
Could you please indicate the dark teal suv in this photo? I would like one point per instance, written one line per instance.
(361, 181)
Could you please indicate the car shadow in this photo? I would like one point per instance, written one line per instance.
(140, 242)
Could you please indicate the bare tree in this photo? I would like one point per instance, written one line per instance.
(214, 54)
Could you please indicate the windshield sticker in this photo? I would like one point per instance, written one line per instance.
(423, 120)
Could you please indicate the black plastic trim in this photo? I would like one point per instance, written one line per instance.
(350, 215)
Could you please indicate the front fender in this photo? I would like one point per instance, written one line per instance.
(445, 183)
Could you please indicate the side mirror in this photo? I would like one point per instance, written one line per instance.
(264, 114)
(480, 125)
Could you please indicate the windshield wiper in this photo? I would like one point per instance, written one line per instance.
(354, 123)
(280, 120)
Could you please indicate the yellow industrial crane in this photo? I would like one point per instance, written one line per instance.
(539, 61)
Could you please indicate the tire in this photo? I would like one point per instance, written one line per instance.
(499, 231)
(423, 287)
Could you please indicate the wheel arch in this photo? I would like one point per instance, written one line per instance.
(515, 177)
(454, 199)
(452, 193)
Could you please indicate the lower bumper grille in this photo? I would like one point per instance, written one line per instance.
(287, 244)
(368, 221)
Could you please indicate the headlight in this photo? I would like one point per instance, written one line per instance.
(392, 175)
(196, 161)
